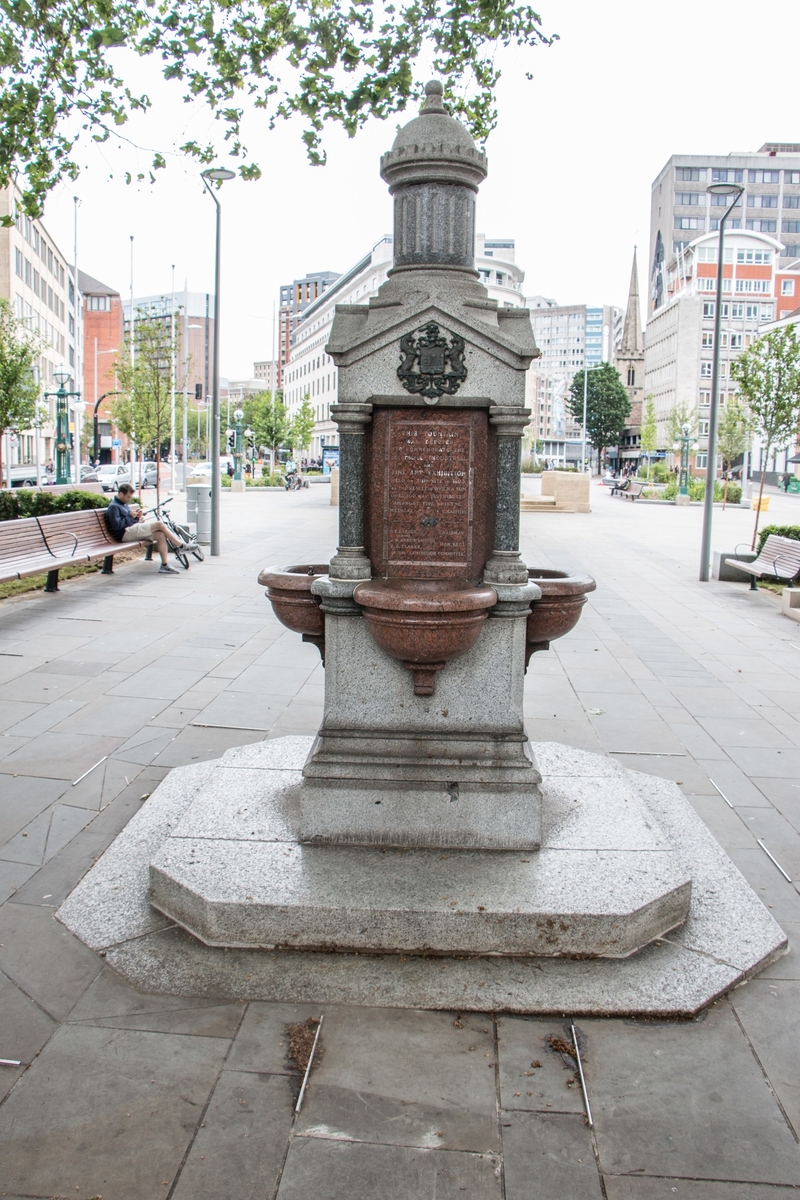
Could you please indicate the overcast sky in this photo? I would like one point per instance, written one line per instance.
(570, 164)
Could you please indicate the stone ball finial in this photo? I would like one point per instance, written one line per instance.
(434, 148)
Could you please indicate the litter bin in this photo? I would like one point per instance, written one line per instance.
(198, 510)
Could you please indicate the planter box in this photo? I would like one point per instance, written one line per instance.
(790, 603)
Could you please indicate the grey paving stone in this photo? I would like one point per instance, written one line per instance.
(48, 716)
(74, 1127)
(146, 745)
(241, 710)
(734, 731)
(404, 1077)
(523, 1087)
(44, 959)
(12, 876)
(52, 883)
(25, 1027)
(113, 1003)
(239, 1149)
(330, 1170)
(769, 1010)
(85, 667)
(777, 764)
(646, 737)
(14, 711)
(548, 1156)
(159, 683)
(691, 1189)
(41, 687)
(781, 897)
(268, 680)
(113, 716)
(691, 1094)
(102, 785)
(59, 755)
(196, 744)
(261, 1043)
(23, 798)
(788, 965)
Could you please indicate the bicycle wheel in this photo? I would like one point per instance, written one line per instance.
(198, 553)
(183, 559)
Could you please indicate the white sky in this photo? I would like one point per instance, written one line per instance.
(570, 164)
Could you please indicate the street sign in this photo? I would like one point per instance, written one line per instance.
(116, 442)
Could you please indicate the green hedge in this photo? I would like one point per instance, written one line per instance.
(787, 531)
(697, 490)
(22, 502)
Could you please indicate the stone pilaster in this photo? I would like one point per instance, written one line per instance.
(505, 565)
(350, 561)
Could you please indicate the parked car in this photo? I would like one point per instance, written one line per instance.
(111, 475)
(147, 473)
(88, 474)
(199, 471)
(22, 475)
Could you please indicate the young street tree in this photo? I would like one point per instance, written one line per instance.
(733, 438)
(769, 382)
(266, 416)
(19, 351)
(326, 61)
(143, 410)
(607, 405)
(678, 416)
(648, 431)
(302, 426)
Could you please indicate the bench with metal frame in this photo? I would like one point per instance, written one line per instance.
(634, 491)
(44, 545)
(778, 560)
(620, 487)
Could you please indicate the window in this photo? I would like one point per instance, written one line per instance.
(751, 311)
(762, 201)
(690, 223)
(677, 247)
(18, 262)
(790, 226)
(791, 176)
(705, 399)
(752, 285)
(726, 175)
(763, 176)
(690, 174)
(708, 308)
(787, 287)
(761, 226)
(702, 428)
(36, 282)
(98, 303)
(791, 201)
(631, 377)
(735, 341)
(700, 461)
(737, 311)
(706, 284)
(759, 257)
(718, 201)
(690, 198)
(725, 311)
(733, 223)
(705, 370)
(707, 254)
(707, 340)
(28, 275)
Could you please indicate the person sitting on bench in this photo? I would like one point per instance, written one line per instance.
(125, 525)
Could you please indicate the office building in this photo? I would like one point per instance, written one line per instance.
(103, 343)
(267, 369)
(310, 372)
(760, 284)
(570, 337)
(295, 299)
(681, 209)
(38, 283)
(195, 311)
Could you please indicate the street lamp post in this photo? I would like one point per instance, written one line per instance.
(734, 190)
(215, 175)
(683, 444)
(248, 436)
(62, 377)
(238, 417)
(96, 423)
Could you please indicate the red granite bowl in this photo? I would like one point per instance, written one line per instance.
(289, 593)
(559, 609)
(424, 623)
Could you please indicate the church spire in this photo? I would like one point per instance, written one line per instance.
(632, 329)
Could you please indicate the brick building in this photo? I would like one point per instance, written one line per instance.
(102, 346)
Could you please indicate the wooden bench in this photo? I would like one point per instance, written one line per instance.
(43, 545)
(620, 487)
(779, 559)
(634, 491)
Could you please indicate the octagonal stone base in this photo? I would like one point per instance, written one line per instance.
(727, 935)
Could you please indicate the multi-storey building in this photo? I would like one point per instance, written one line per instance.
(295, 299)
(570, 337)
(38, 283)
(310, 372)
(681, 208)
(102, 347)
(267, 369)
(759, 284)
(193, 311)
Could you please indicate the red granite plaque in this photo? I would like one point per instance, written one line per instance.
(427, 493)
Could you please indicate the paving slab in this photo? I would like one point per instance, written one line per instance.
(548, 1156)
(692, 1189)
(534, 1077)
(43, 959)
(72, 1126)
(328, 1170)
(769, 1010)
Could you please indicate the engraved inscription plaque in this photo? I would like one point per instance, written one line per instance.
(427, 470)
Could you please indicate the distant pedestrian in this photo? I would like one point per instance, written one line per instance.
(786, 480)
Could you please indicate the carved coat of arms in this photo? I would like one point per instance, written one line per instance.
(432, 362)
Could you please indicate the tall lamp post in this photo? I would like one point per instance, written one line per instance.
(215, 175)
(238, 417)
(734, 190)
(684, 446)
(62, 377)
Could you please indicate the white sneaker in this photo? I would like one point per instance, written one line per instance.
(164, 569)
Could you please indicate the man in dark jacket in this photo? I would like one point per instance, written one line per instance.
(125, 525)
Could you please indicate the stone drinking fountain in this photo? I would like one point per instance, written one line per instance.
(420, 850)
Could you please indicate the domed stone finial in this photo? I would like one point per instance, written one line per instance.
(433, 98)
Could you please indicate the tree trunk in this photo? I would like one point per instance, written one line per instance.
(2, 437)
(760, 494)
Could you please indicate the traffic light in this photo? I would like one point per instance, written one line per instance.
(231, 440)
(198, 391)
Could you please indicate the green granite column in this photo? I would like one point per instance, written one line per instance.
(505, 565)
(350, 562)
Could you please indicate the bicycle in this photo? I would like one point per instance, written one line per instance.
(161, 513)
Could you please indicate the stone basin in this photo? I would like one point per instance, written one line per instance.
(289, 593)
(424, 623)
(558, 610)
